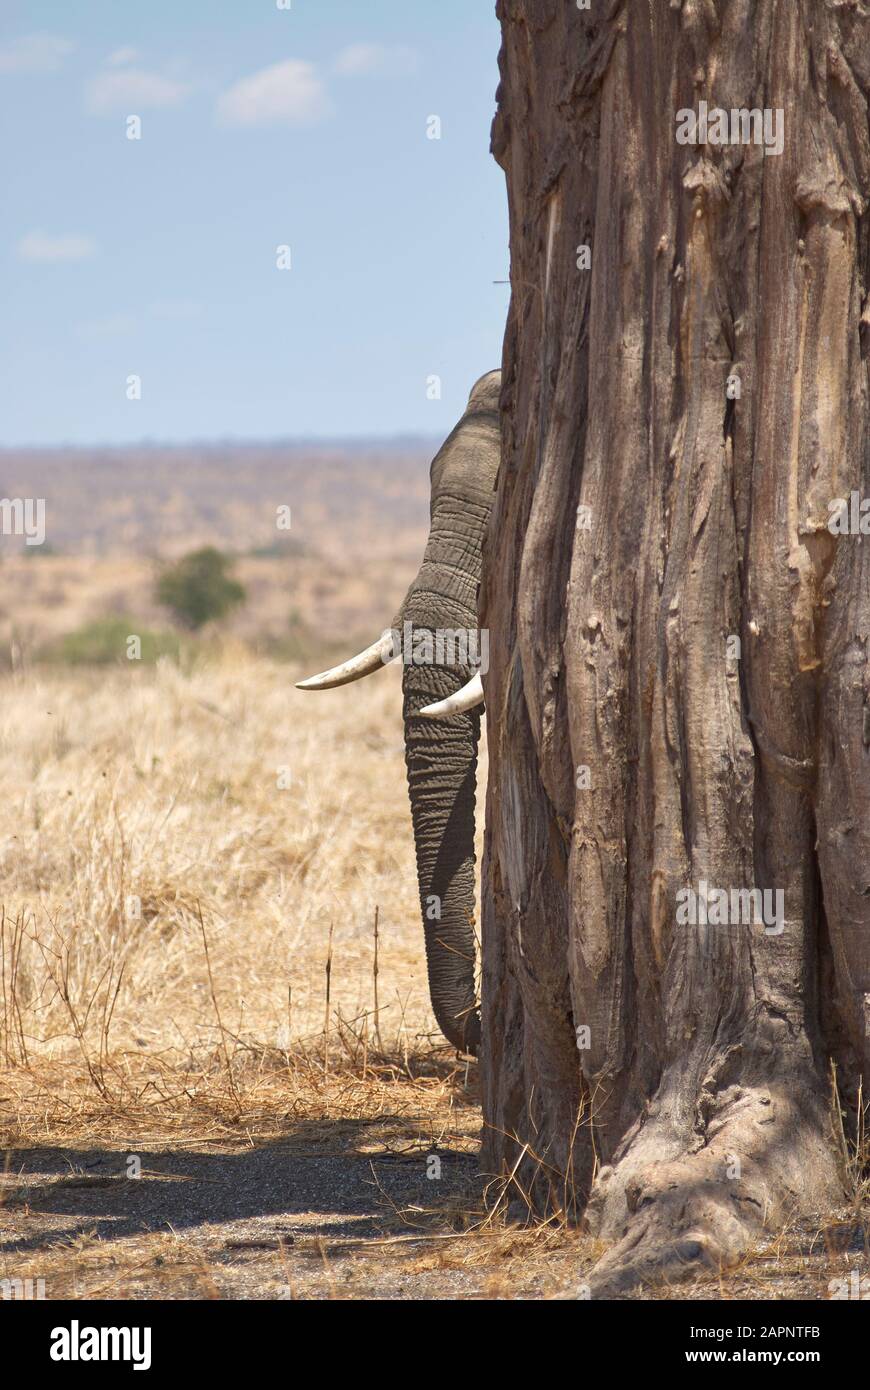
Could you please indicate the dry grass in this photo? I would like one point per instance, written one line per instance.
(150, 817)
(193, 866)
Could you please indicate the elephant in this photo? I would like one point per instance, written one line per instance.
(442, 696)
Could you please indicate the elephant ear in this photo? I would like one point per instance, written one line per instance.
(474, 435)
(483, 401)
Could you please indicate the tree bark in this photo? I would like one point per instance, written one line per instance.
(670, 1082)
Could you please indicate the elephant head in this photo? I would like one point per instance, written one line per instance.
(436, 635)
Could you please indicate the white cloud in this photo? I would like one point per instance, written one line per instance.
(37, 246)
(133, 90)
(361, 58)
(288, 93)
(121, 57)
(35, 53)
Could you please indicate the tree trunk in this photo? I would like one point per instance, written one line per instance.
(676, 421)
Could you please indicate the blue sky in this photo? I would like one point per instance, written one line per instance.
(260, 127)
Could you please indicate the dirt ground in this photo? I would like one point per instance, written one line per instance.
(284, 1219)
(388, 1205)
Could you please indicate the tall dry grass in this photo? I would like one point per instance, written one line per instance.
(180, 855)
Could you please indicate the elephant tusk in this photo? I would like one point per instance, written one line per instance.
(467, 698)
(381, 653)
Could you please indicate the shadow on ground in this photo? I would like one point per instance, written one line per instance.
(338, 1194)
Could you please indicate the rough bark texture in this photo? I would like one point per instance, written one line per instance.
(698, 1112)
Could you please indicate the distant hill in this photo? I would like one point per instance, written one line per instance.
(359, 519)
(164, 499)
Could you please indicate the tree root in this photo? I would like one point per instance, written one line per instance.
(764, 1160)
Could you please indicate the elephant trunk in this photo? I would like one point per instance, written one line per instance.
(441, 751)
(441, 754)
(441, 759)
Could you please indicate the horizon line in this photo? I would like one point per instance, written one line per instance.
(224, 441)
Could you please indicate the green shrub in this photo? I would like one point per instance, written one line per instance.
(199, 589)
